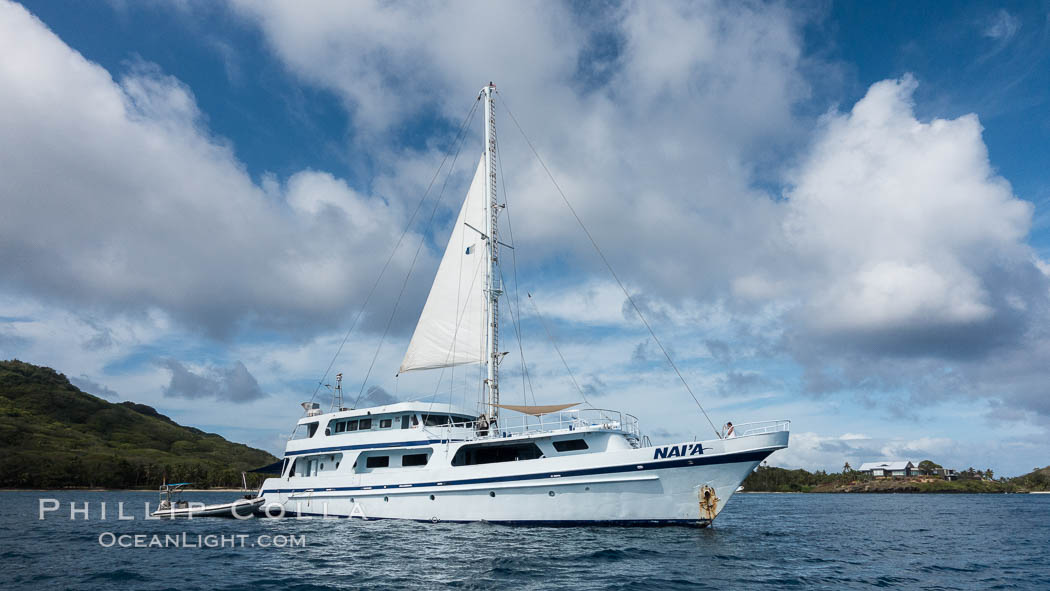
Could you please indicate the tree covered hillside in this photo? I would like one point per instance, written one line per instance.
(54, 435)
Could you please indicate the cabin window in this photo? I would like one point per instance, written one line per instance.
(351, 426)
(570, 445)
(304, 431)
(487, 453)
(340, 427)
(404, 422)
(377, 462)
(414, 460)
(415, 421)
(435, 420)
(365, 424)
(384, 423)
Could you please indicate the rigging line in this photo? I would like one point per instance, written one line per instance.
(517, 298)
(612, 272)
(516, 324)
(553, 342)
(513, 259)
(408, 226)
(415, 257)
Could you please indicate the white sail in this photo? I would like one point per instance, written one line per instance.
(451, 329)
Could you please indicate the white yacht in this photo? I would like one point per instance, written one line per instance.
(547, 465)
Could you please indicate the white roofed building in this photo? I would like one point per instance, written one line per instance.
(890, 468)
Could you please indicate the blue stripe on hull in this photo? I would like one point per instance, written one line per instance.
(538, 522)
(752, 456)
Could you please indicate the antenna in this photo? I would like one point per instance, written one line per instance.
(337, 400)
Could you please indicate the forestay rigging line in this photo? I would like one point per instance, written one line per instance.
(612, 272)
(408, 226)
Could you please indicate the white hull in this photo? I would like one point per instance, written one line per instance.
(623, 486)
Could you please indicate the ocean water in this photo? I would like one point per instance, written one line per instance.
(761, 541)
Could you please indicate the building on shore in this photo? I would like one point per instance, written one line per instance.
(904, 468)
(890, 469)
(945, 473)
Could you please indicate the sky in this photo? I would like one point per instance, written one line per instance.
(833, 213)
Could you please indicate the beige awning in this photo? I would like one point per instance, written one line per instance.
(537, 410)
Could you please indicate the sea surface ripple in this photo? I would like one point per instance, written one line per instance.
(805, 541)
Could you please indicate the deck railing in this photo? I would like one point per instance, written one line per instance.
(567, 420)
(761, 427)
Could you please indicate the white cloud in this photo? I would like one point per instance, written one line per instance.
(1002, 25)
(116, 198)
(655, 153)
(899, 221)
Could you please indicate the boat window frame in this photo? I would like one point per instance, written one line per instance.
(570, 445)
(425, 456)
(427, 422)
(305, 430)
(384, 464)
(465, 457)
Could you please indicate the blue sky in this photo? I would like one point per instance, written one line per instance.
(836, 213)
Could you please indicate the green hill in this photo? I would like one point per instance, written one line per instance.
(1038, 479)
(54, 435)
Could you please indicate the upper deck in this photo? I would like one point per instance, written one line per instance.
(418, 423)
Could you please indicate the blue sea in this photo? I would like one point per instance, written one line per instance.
(761, 541)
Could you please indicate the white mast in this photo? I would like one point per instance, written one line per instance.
(493, 284)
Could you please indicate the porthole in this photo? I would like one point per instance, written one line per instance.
(551, 493)
(492, 493)
(432, 497)
(586, 488)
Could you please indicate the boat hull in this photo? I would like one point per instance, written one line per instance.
(242, 508)
(663, 485)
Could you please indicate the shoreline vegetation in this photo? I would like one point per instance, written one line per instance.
(782, 480)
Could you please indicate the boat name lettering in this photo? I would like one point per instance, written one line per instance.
(678, 451)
